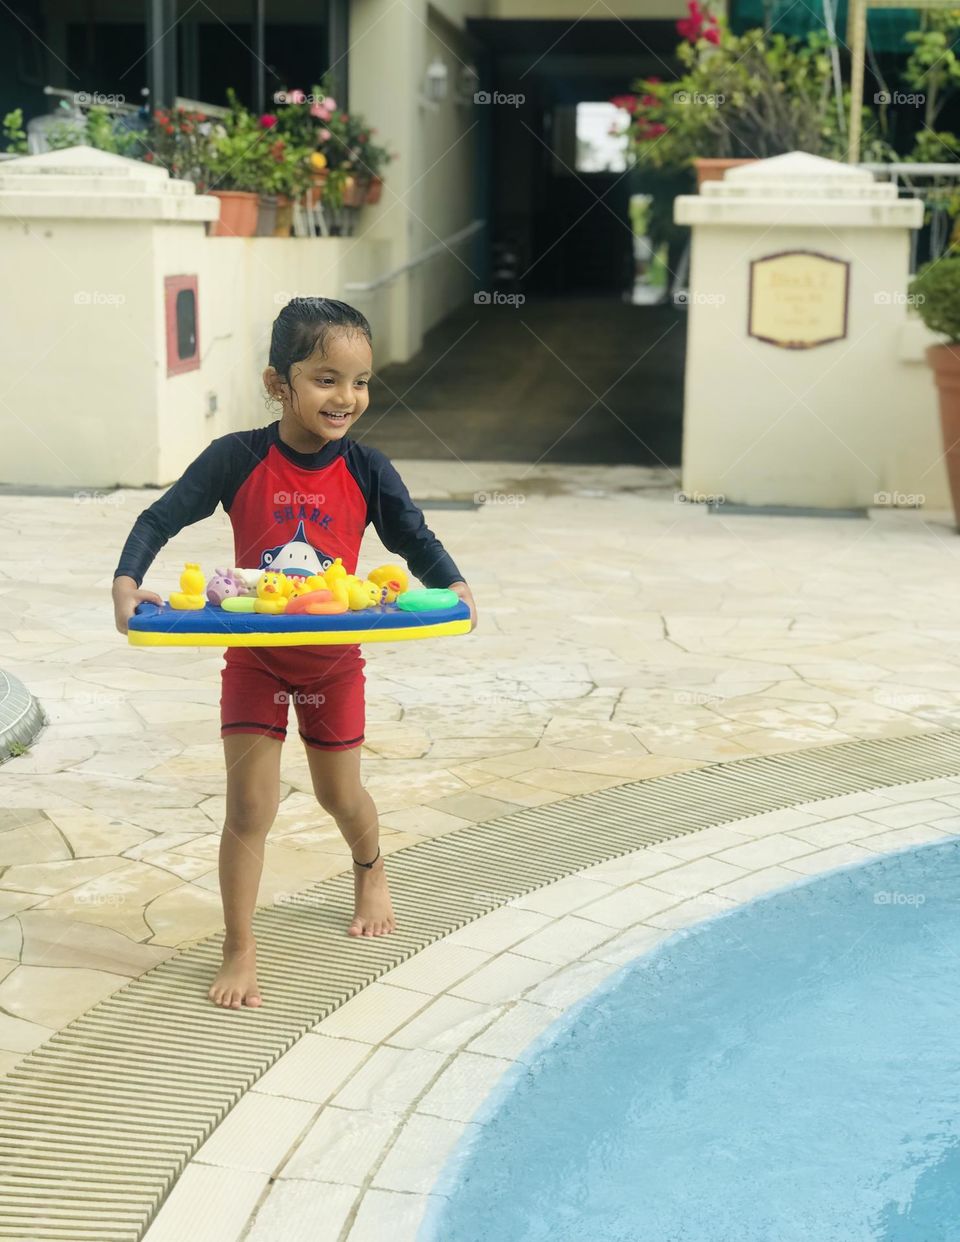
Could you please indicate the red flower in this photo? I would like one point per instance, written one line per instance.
(268, 120)
(628, 102)
(344, 117)
(712, 35)
(148, 157)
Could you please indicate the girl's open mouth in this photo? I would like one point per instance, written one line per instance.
(336, 419)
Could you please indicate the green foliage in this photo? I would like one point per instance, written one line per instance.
(15, 136)
(98, 128)
(935, 291)
(933, 69)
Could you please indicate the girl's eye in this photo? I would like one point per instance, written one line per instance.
(363, 383)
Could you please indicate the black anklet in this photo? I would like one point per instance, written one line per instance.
(369, 864)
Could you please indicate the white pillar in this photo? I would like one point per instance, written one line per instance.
(785, 420)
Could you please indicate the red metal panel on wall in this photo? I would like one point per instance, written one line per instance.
(181, 308)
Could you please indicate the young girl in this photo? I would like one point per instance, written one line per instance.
(299, 494)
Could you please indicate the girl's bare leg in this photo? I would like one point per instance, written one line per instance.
(336, 782)
(253, 795)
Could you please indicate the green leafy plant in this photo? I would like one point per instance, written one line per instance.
(97, 128)
(935, 291)
(239, 153)
(15, 136)
(182, 142)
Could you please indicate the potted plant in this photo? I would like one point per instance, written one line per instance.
(236, 171)
(935, 291)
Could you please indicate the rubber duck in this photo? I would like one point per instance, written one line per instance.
(305, 585)
(192, 589)
(334, 572)
(392, 581)
(362, 595)
(272, 593)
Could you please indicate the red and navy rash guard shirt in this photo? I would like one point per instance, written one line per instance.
(292, 512)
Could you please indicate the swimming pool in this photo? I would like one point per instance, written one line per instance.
(786, 1072)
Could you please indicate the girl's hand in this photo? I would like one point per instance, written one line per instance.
(126, 596)
(464, 593)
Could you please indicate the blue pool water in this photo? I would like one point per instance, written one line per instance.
(787, 1072)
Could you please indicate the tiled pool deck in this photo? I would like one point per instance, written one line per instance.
(344, 1137)
(623, 637)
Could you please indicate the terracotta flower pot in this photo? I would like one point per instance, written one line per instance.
(238, 214)
(315, 193)
(266, 215)
(713, 169)
(374, 189)
(945, 362)
(354, 192)
(284, 224)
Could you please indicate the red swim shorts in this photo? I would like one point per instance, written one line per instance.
(325, 685)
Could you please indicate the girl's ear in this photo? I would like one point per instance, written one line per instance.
(273, 383)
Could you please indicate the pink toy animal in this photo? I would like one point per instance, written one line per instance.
(222, 586)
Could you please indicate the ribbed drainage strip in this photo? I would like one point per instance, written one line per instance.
(99, 1121)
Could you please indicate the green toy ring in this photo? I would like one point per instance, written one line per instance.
(428, 600)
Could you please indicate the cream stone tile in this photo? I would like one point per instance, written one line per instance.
(51, 996)
(341, 1146)
(639, 864)
(568, 938)
(183, 914)
(906, 814)
(20, 1035)
(826, 860)
(373, 1014)
(8, 1060)
(390, 1079)
(773, 822)
(900, 838)
(58, 876)
(758, 882)
(700, 844)
(566, 782)
(562, 897)
(570, 984)
(463, 1086)
(623, 948)
(765, 852)
(425, 821)
(436, 968)
(512, 1034)
(695, 910)
(257, 1133)
(472, 806)
(302, 1211)
(34, 842)
(504, 978)
(386, 1213)
(837, 831)
(51, 939)
(695, 877)
(314, 1068)
(444, 1025)
(421, 1149)
(518, 792)
(209, 1203)
(627, 906)
(940, 787)
(499, 929)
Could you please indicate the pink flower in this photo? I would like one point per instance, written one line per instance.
(319, 111)
(268, 120)
(324, 135)
(330, 103)
(296, 96)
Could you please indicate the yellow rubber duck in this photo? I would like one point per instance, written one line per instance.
(334, 572)
(362, 595)
(303, 586)
(273, 591)
(391, 579)
(193, 588)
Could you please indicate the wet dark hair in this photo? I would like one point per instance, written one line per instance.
(305, 324)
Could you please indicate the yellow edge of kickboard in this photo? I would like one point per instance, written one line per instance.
(302, 638)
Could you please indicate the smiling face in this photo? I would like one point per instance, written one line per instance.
(327, 392)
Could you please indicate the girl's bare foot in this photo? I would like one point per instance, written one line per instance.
(236, 981)
(373, 909)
